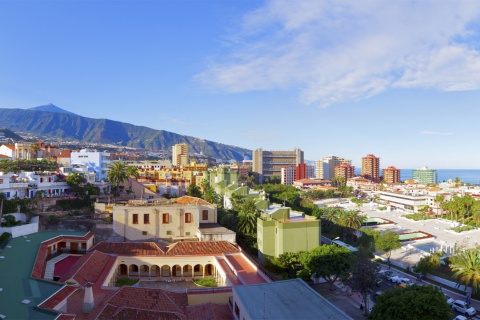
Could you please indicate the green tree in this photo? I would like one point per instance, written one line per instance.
(194, 191)
(247, 218)
(427, 264)
(368, 239)
(290, 261)
(118, 173)
(439, 200)
(329, 262)
(413, 303)
(350, 221)
(468, 201)
(364, 275)
(387, 242)
(132, 171)
(466, 268)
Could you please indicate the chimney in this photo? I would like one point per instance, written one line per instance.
(88, 302)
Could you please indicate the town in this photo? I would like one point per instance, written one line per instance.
(113, 235)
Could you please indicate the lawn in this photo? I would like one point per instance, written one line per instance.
(209, 282)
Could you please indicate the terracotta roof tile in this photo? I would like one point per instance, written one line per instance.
(9, 146)
(191, 200)
(122, 313)
(209, 311)
(58, 297)
(66, 317)
(129, 248)
(89, 268)
(185, 248)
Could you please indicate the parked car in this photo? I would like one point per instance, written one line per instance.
(448, 299)
(393, 278)
(459, 317)
(404, 281)
(385, 272)
(463, 307)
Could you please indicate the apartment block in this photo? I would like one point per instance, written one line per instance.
(267, 164)
(325, 167)
(371, 167)
(344, 171)
(425, 175)
(391, 175)
(180, 154)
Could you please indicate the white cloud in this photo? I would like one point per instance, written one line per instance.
(426, 132)
(335, 51)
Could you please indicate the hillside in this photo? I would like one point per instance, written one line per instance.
(68, 125)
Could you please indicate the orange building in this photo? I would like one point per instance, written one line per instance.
(391, 175)
(371, 167)
(344, 171)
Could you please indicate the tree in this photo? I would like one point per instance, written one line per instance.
(329, 262)
(439, 200)
(425, 210)
(290, 261)
(194, 191)
(413, 302)
(349, 220)
(468, 201)
(368, 239)
(247, 218)
(466, 268)
(132, 171)
(427, 264)
(118, 173)
(387, 242)
(364, 275)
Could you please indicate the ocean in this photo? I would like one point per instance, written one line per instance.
(471, 176)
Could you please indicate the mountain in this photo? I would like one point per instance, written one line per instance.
(50, 108)
(67, 125)
(10, 135)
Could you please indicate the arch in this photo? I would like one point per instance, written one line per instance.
(144, 270)
(187, 270)
(176, 271)
(155, 271)
(198, 270)
(165, 271)
(209, 269)
(133, 269)
(123, 270)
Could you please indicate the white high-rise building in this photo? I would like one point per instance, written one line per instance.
(325, 167)
(92, 161)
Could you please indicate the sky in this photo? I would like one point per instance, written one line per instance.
(400, 80)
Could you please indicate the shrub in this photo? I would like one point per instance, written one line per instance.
(382, 208)
(416, 216)
(462, 228)
(9, 221)
(125, 282)
(108, 219)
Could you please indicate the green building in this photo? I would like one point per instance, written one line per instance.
(280, 230)
(425, 176)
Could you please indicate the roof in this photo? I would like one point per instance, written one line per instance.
(185, 248)
(213, 228)
(129, 248)
(289, 299)
(58, 297)
(143, 303)
(209, 311)
(191, 200)
(9, 146)
(89, 268)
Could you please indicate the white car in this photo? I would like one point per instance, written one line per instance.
(393, 278)
(459, 317)
(404, 280)
(463, 307)
(449, 300)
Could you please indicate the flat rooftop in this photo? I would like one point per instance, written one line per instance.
(17, 285)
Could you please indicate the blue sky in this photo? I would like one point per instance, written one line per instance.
(348, 77)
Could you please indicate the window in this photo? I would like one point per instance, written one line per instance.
(146, 218)
(237, 310)
(165, 218)
(144, 233)
(135, 218)
(188, 217)
(204, 214)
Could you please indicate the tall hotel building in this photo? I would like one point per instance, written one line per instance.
(371, 168)
(325, 167)
(291, 174)
(180, 154)
(267, 164)
(425, 175)
(391, 175)
(344, 171)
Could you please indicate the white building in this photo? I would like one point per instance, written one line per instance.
(325, 167)
(26, 184)
(93, 160)
(288, 175)
(8, 150)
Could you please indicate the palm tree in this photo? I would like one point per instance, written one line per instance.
(246, 222)
(350, 220)
(439, 199)
(468, 200)
(118, 173)
(133, 172)
(466, 268)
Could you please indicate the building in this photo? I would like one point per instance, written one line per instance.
(289, 299)
(304, 171)
(391, 175)
(371, 168)
(287, 175)
(425, 175)
(8, 150)
(267, 164)
(344, 171)
(26, 184)
(180, 154)
(93, 160)
(280, 230)
(305, 184)
(24, 151)
(325, 167)
(176, 219)
(410, 201)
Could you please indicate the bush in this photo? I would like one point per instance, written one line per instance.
(416, 216)
(125, 282)
(4, 238)
(382, 208)
(462, 228)
(9, 221)
(108, 219)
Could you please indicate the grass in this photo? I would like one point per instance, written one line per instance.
(125, 282)
(462, 228)
(416, 216)
(209, 282)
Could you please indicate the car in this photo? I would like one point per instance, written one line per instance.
(385, 272)
(393, 278)
(448, 300)
(463, 307)
(459, 317)
(404, 281)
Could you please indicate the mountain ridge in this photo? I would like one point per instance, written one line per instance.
(68, 125)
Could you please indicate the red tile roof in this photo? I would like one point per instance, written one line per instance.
(9, 146)
(129, 248)
(209, 311)
(186, 248)
(132, 302)
(191, 200)
(58, 297)
(244, 270)
(42, 253)
(89, 268)
(66, 317)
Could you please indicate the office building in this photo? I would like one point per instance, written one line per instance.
(325, 167)
(180, 154)
(267, 164)
(425, 175)
(371, 168)
(391, 175)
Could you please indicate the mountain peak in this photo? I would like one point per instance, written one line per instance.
(50, 108)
